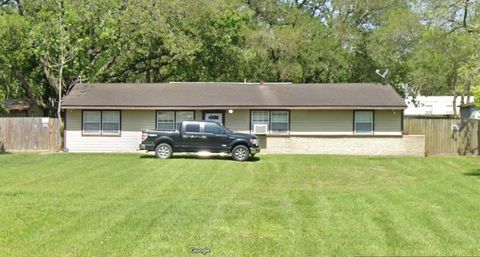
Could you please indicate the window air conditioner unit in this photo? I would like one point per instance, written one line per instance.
(260, 129)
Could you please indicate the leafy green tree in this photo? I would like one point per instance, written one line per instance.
(19, 71)
(48, 45)
(476, 91)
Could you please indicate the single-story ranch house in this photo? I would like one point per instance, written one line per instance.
(288, 118)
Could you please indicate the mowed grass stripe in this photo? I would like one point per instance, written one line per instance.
(278, 205)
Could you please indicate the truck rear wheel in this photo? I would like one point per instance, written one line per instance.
(240, 153)
(163, 151)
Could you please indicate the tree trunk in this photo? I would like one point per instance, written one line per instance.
(60, 80)
(455, 104)
(52, 80)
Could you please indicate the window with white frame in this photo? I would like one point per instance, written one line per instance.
(279, 122)
(363, 122)
(166, 120)
(260, 117)
(183, 116)
(101, 122)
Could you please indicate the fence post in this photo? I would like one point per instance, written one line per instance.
(53, 135)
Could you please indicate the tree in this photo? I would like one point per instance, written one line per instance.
(469, 78)
(18, 67)
(393, 43)
(55, 47)
(476, 91)
(45, 46)
(2, 100)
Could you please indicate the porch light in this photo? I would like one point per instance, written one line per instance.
(230, 111)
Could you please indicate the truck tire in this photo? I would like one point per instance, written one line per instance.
(163, 151)
(240, 153)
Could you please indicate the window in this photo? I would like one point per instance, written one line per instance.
(363, 122)
(171, 120)
(101, 122)
(111, 122)
(213, 128)
(165, 121)
(260, 117)
(192, 128)
(279, 122)
(183, 116)
(92, 122)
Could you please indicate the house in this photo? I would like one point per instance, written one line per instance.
(22, 108)
(432, 105)
(288, 118)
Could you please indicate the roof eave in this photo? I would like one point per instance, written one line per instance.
(257, 107)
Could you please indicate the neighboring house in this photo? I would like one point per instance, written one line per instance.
(432, 105)
(289, 118)
(22, 108)
(469, 111)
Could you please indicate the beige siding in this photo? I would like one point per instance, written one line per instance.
(198, 115)
(132, 124)
(238, 121)
(388, 122)
(339, 122)
(318, 122)
(304, 123)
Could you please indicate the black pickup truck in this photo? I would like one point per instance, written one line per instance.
(198, 136)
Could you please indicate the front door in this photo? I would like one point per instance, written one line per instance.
(214, 116)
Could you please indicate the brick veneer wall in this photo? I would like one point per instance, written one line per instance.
(408, 145)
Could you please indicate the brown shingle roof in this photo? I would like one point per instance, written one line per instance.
(17, 105)
(231, 95)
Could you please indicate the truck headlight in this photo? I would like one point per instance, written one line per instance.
(254, 141)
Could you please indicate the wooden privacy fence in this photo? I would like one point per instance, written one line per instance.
(30, 134)
(446, 136)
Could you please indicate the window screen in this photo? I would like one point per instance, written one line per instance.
(92, 122)
(165, 121)
(110, 122)
(364, 122)
(101, 122)
(183, 116)
(279, 121)
(260, 117)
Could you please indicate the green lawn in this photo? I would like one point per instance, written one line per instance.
(278, 205)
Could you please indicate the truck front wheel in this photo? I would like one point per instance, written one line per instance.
(240, 153)
(163, 151)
